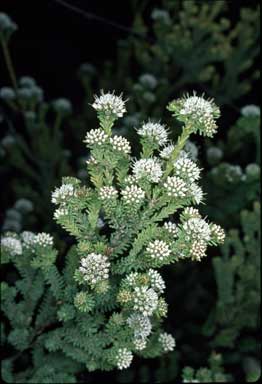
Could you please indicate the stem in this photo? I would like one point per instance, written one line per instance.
(187, 130)
(9, 64)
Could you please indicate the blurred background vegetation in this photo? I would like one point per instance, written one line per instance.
(152, 51)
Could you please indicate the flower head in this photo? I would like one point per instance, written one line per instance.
(156, 281)
(44, 239)
(171, 228)
(133, 194)
(250, 110)
(217, 233)
(28, 239)
(167, 151)
(155, 132)
(11, 245)
(145, 300)
(186, 169)
(167, 341)
(149, 169)
(110, 104)
(95, 137)
(176, 187)
(198, 111)
(140, 324)
(94, 268)
(124, 358)
(61, 194)
(120, 144)
(197, 229)
(158, 249)
(196, 193)
(108, 193)
(198, 249)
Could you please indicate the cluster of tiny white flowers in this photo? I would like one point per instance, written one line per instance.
(201, 111)
(145, 300)
(108, 193)
(110, 104)
(149, 169)
(133, 194)
(44, 239)
(59, 212)
(94, 268)
(197, 229)
(167, 151)
(28, 239)
(171, 228)
(130, 179)
(124, 358)
(198, 249)
(186, 169)
(95, 137)
(61, 194)
(156, 281)
(12, 245)
(131, 279)
(217, 233)
(139, 344)
(176, 187)
(154, 131)
(140, 324)
(120, 144)
(197, 193)
(190, 212)
(158, 249)
(167, 341)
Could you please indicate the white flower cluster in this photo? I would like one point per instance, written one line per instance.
(158, 249)
(139, 343)
(60, 195)
(201, 111)
(124, 358)
(156, 281)
(197, 229)
(198, 249)
(167, 151)
(109, 104)
(145, 300)
(96, 137)
(190, 213)
(140, 324)
(217, 233)
(176, 187)
(120, 144)
(149, 169)
(108, 193)
(167, 341)
(171, 228)
(12, 245)
(59, 212)
(131, 279)
(186, 169)
(44, 239)
(28, 239)
(155, 132)
(196, 192)
(133, 194)
(94, 268)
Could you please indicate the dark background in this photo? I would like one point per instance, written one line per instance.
(53, 40)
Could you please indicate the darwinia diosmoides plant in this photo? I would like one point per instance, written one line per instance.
(135, 216)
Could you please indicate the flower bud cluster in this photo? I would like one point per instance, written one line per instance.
(120, 144)
(158, 249)
(133, 194)
(167, 342)
(62, 194)
(124, 358)
(94, 268)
